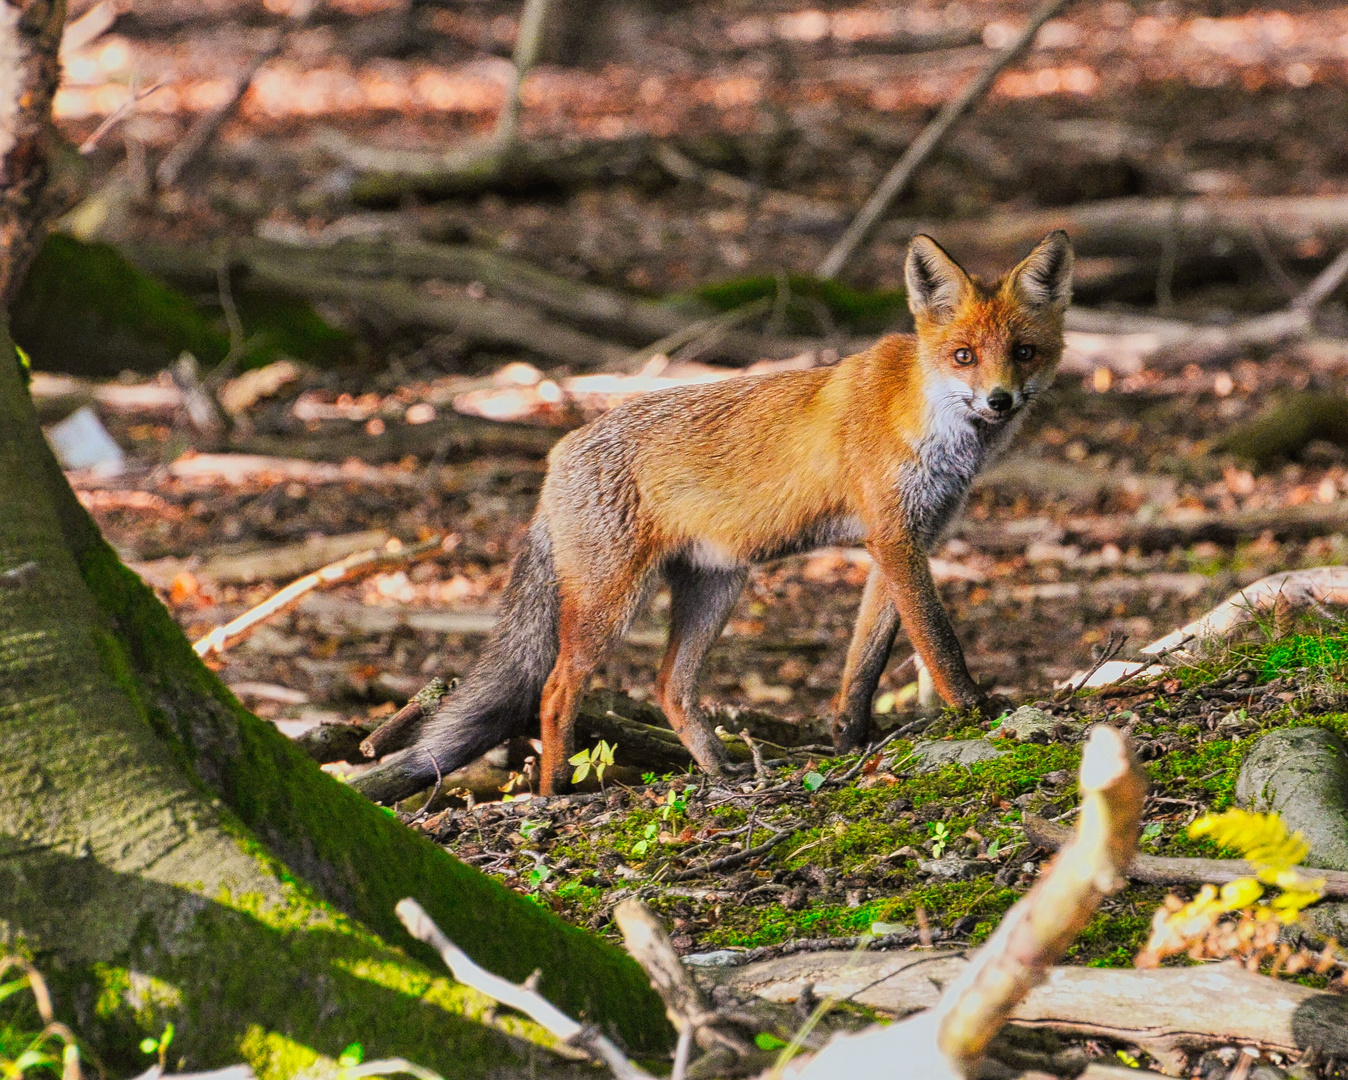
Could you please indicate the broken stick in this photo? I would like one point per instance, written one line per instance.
(362, 562)
(1162, 870)
(521, 997)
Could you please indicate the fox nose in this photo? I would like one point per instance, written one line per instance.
(1000, 401)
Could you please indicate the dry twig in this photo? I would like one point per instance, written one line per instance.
(526, 1000)
(362, 562)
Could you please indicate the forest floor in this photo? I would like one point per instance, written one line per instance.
(1086, 531)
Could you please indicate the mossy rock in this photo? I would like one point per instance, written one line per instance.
(84, 309)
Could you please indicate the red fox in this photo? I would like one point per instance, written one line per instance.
(700, 483)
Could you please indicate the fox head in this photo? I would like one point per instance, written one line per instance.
(987, 351)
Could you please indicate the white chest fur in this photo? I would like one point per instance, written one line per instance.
(932, 489)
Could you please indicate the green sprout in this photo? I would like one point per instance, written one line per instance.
(599, 758)
(942, 837)
(159, 1046)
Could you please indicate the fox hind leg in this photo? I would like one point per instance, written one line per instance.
(701, 600)
(872, 639)
(589, 622)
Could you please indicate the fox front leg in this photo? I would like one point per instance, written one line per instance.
(924, 618)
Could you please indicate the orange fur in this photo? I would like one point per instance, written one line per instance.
(727, 474)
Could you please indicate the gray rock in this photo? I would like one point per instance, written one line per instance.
(1326, 920)
(1024, 722)
(1302, 773)
(952, 869)
(931, 754)
(1267, 1072)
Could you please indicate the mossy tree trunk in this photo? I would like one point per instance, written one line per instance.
(165, 855)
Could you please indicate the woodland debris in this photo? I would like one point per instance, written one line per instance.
(1134, 225)
(355, 565)
(80, 441)
(948, 1039)
(1165, 870)
(238, 469)
(394, 733)
(1163, 1010)
(1287, 427)
(386, 176)
(522, 997)
(1175, 527)
(288, 561)
(618, 314)
(685, 1004)
(931, 138)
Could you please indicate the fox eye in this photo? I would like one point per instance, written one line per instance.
(964, 357)
(1023, 353)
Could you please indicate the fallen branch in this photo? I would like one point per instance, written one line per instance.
(945, 1042)
(1175, 528)
(617, 313)
(353, 566)
(685, 1004)
(203, 129)
(523, 998)
(393, 733)
(389, 175)
(1133, 226)
(931, 138)
(1163, 870)
(1277, 595)
(488, 321)
(528, 44)
(726, 862)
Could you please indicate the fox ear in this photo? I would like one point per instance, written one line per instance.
(936, 282)
(1044, 279)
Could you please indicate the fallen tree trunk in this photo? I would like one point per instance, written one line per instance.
(1134, 226)
(628, 317)
(1163, 870)
(1164, 1010)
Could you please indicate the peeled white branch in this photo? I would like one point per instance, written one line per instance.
(530, 1002)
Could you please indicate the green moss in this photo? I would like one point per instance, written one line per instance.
(83, 308)
(804, 297)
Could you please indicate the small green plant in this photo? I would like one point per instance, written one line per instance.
(528, 828)
(159, 1046)
(538, 875)
(39, 1051)
(648, 778)
(941, 837)
(812, 781)
(766, 1040)
(648, 835)
(599, 758)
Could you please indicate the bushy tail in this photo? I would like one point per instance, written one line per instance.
(499, 698)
